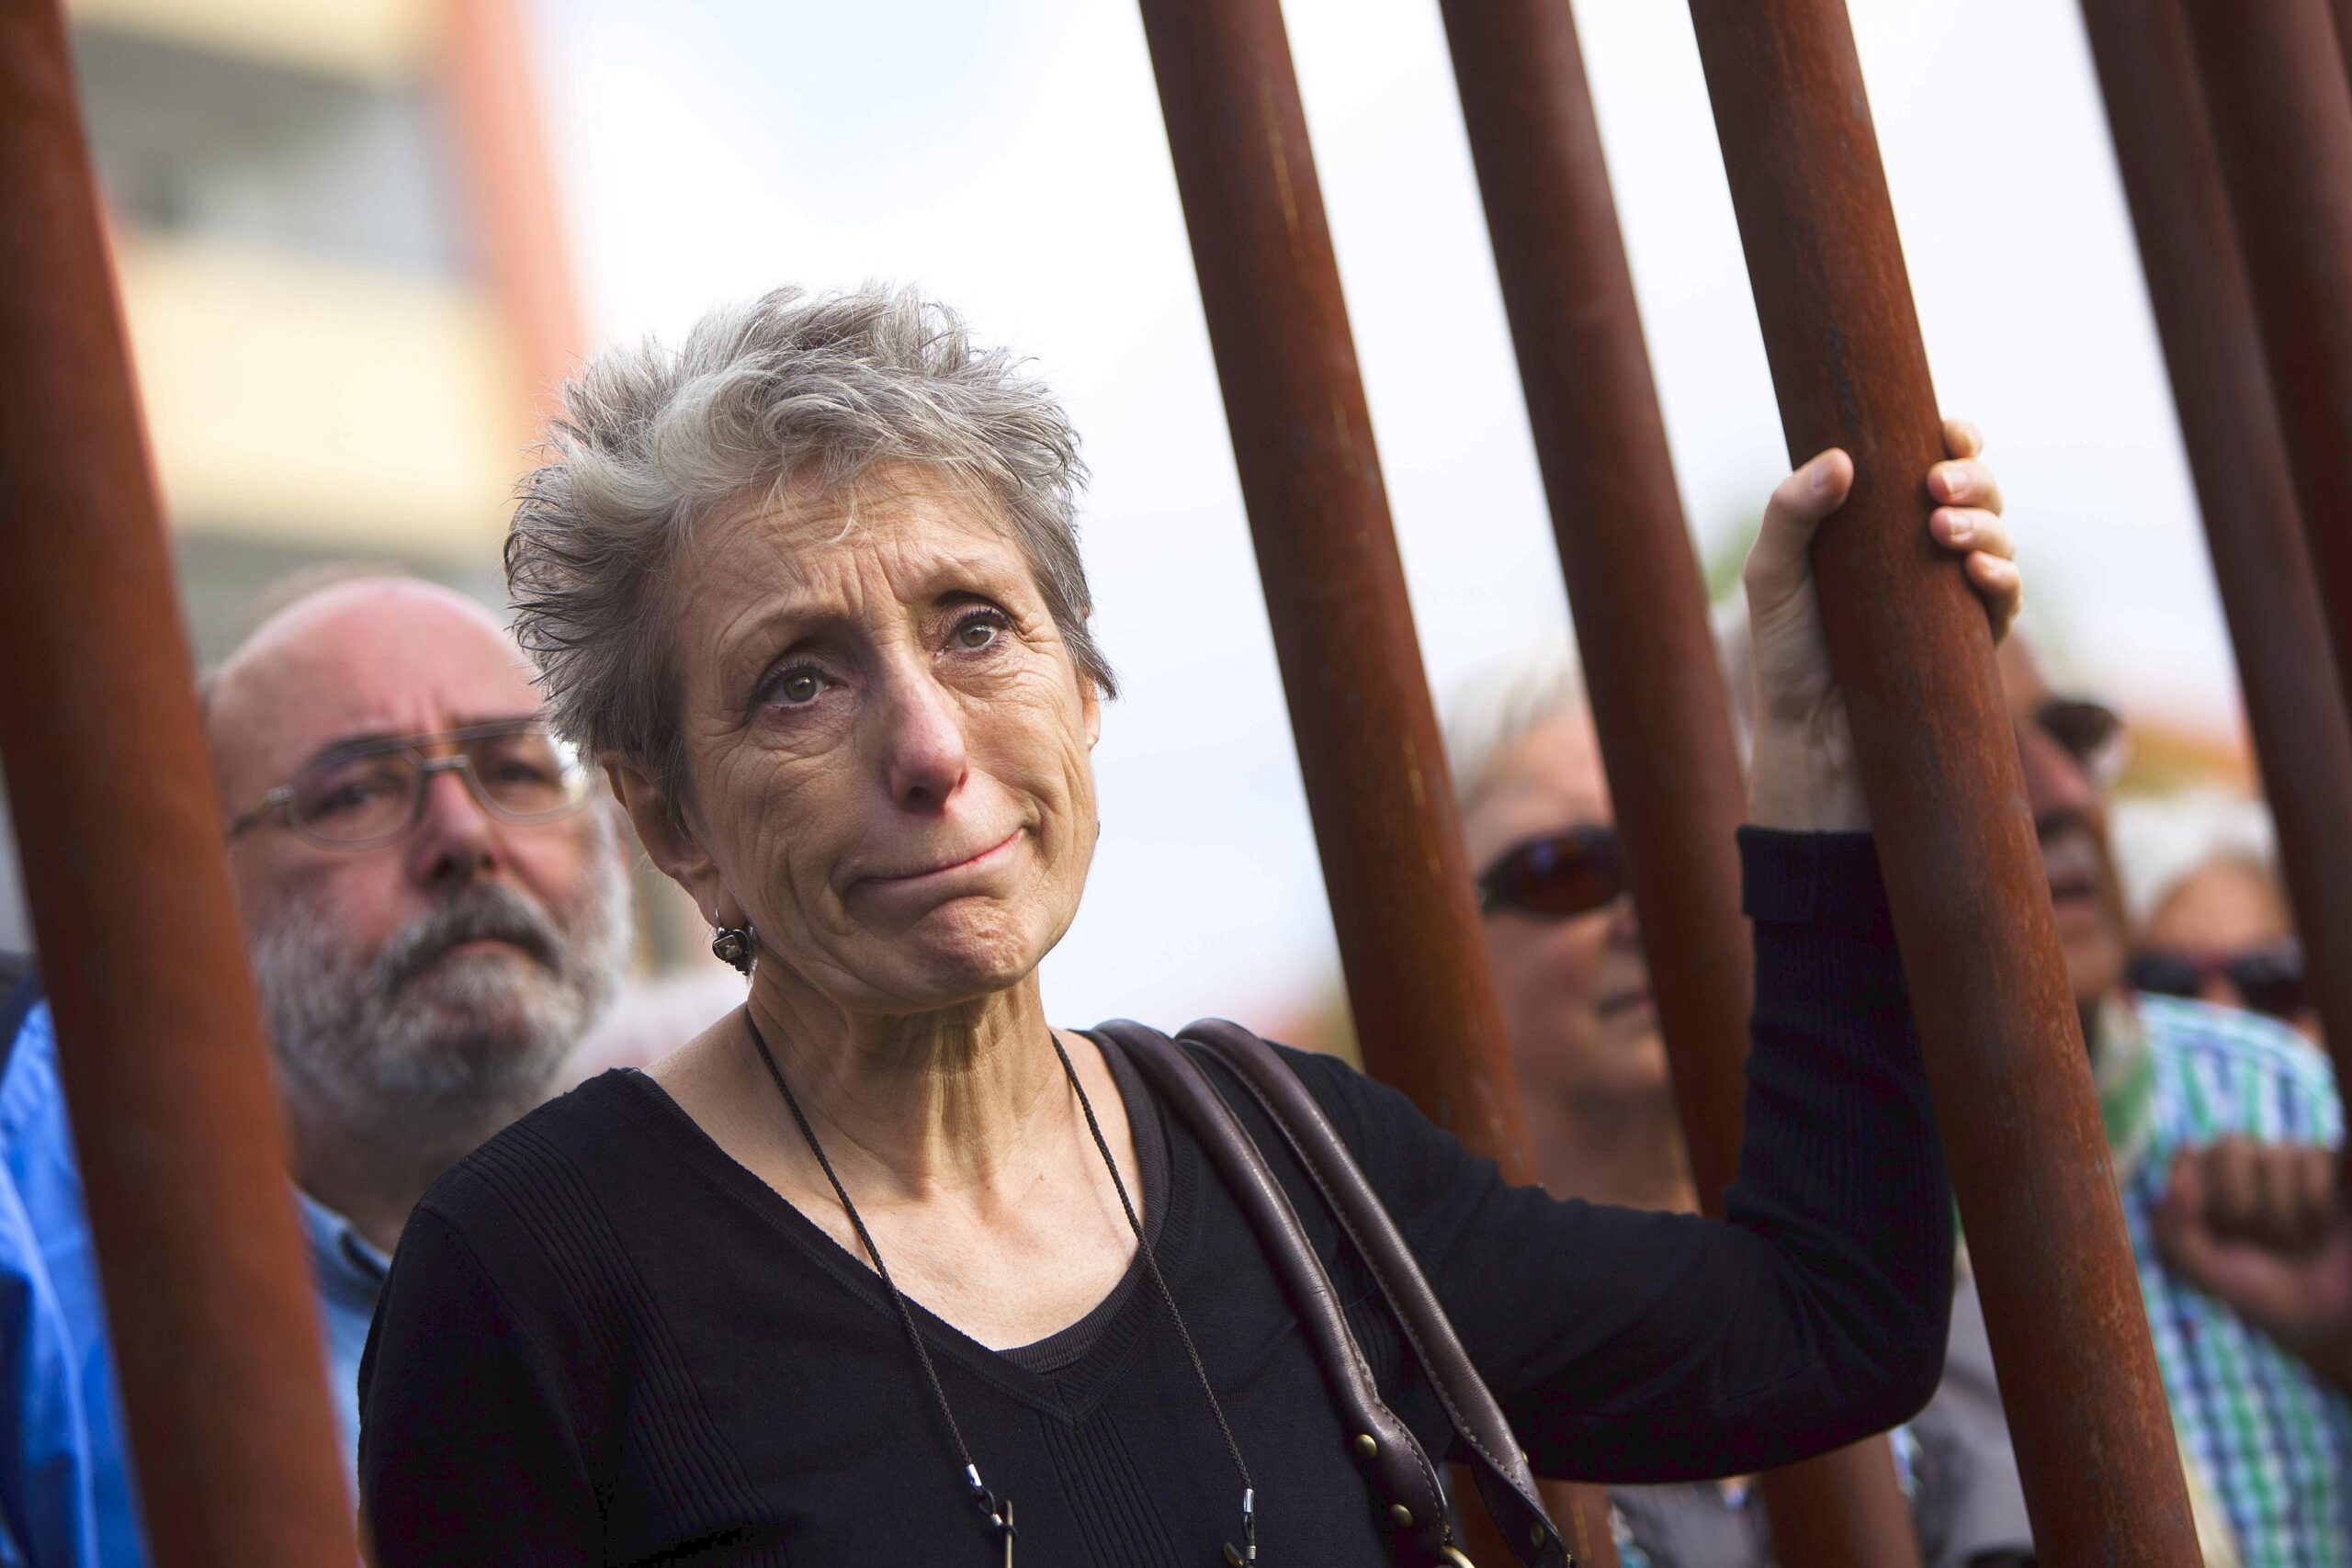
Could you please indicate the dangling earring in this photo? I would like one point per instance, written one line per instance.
(733, 945)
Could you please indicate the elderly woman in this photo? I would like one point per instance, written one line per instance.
(810, 590)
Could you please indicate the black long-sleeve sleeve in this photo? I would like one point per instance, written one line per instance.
(1636, 1346)
(517, 1496)
(604, 1341)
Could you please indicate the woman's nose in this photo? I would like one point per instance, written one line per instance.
(927, 753)
(1625, 921)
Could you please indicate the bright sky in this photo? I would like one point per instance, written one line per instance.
(1009, 158)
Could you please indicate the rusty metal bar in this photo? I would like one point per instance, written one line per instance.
(1972, 910)
(2279, 109)
(177, 1124)
(2343, 10)
(1640, 611)
(1386, 822)
(2246, 487)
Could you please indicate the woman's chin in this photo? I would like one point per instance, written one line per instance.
(947, 968)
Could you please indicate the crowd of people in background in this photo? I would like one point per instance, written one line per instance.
(2185, 967)
(431, 951)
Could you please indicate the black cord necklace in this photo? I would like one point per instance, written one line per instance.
(995, 1512)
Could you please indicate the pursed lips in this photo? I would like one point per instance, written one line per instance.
(907, 878)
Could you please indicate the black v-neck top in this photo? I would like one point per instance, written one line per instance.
(604, 1341)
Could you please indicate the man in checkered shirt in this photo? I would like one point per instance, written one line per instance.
(2188, 1093)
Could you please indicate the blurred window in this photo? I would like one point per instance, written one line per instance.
(206, 145)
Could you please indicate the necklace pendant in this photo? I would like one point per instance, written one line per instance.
(1007, 1531)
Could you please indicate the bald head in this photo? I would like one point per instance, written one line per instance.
(377, 655)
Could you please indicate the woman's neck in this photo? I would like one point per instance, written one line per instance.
(945, 1099)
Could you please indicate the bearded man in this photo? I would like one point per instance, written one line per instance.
(435, 907)
(436, 910)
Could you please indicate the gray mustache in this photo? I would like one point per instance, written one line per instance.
(486, 913)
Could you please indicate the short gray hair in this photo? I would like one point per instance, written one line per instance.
(2161, 841)
(793, 388)
(1498, 706)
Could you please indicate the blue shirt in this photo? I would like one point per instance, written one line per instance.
(66, 1494)
(65, 1484)
(349, 1271)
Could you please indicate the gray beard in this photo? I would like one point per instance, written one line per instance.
(411, 1056)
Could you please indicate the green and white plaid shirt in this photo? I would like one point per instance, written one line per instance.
(2272, 1439)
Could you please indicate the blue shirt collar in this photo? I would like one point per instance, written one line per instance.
(345, 1262)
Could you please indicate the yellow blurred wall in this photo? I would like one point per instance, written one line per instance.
(379, 41)
(323, 404)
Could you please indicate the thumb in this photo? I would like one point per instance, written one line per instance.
(1778, 563)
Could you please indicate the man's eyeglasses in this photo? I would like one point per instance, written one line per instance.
(360, 797)
(2270, 980)
(1554, 875)
(2091, 733)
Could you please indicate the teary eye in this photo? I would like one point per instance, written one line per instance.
(975, 633)
(794, 688)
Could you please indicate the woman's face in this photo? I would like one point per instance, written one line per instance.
(1576, 992)
(887, 744)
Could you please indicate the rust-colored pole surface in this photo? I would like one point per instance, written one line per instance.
(1640, 610)
(1386, 822)
(2279, 108)
(2244, 485)
(177, 1123)
(2343, 9)
(1955, 837)
(1634, 586)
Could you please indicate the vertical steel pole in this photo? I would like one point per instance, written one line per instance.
(1386, 822)
(1640, 619)
(1955, 837)
(2246, 487)
(2281, 111)
(183, 1156)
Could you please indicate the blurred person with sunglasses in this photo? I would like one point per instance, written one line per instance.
(2201, 882)
(1600, 1111)
(2267, 1437)
(437, 908)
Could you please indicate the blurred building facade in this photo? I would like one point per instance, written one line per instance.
(313, 211)
(345, 274)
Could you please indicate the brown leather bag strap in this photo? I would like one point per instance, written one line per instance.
(1413, 1501)
(1497, 1467)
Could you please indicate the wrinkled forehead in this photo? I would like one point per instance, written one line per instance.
(895, 537)
(347, 679)
(806, 527)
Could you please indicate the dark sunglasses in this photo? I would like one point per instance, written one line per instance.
(1572, 871)
(2270, 980)
(2091, 733)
